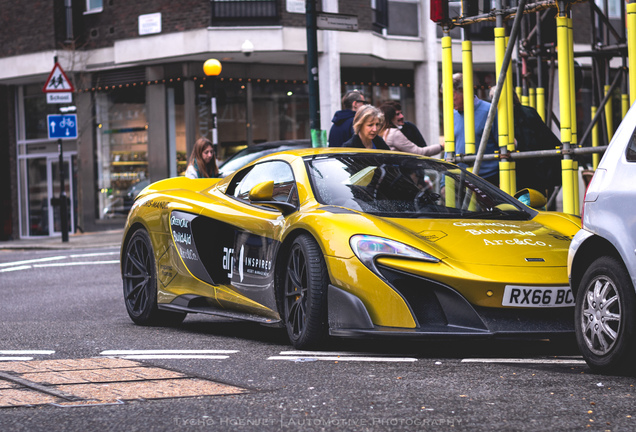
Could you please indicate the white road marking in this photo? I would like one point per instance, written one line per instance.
(76, 263)
(31, 261)
(556, 361)
(21, 355)
(37, 263)
(301, 356)
(173, 356)
(133, 352)
(25, 267)
(93, 254)
(170, 354)
(343, 358)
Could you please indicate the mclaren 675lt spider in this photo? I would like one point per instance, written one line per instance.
(349, 243)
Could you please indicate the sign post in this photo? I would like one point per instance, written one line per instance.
(62, 127)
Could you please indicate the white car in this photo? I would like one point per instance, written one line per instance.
(602, 259)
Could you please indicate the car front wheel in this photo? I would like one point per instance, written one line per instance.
(139, 275)
(305, 294)
(605, 322)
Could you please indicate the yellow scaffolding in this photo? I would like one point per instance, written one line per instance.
(572, 142)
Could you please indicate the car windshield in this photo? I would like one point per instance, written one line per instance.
(408, 186)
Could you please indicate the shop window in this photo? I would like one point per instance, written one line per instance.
(277, 111)
(35, 111)
(122, 150)
(177, 149)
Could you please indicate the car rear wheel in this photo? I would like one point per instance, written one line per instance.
(139, 275)
(605, 322)
(305, 294)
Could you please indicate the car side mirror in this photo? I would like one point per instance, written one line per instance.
(531, 198)
(263, 193)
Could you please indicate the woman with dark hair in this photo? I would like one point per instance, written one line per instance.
(396, 140)
(202, 163)
(366, 125)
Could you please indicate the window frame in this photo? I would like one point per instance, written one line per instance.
(235, 185)
(93, 10)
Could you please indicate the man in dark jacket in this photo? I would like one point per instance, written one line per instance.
(531, 133)
(342, 129)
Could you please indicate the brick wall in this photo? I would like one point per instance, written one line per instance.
(119, 19)
(42, 26)
(26, 29)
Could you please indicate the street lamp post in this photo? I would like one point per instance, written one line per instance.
(212, 68)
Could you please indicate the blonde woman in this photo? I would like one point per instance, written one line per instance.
(396, 140)
(366, 126)
(202, 163)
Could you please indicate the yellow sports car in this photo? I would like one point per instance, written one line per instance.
(348, 243)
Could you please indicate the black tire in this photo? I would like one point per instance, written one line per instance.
(304, 292)
(605, 322)
(139, 275)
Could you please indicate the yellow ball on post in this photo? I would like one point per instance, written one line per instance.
(212, 67)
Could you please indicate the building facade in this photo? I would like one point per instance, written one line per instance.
(142, 99)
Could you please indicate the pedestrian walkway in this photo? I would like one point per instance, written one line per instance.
(99, 239)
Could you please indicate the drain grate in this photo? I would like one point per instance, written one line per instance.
(89, 382)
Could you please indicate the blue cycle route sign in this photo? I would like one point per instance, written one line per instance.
(62, 126)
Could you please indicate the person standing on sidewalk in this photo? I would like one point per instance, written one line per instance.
(342, 128)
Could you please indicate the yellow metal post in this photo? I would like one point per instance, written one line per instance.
(519, 91)
(502, 107)
(504, 176)
(511, 107)
(575, 165)
(564, 60)
(609, 115)
(568, 188)
(512, 176)
(469, 97)
(573, 123)
(631, 50)
(575, 187)
(532, 97)
(449, 192)
(447, 83)
(624, 105)
(596, 158)
(541, 102)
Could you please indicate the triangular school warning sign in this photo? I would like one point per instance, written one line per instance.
(58, 81)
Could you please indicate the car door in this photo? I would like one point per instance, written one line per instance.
(256, 235)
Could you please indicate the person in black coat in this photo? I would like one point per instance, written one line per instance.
(366, 125)
(531, 133)
(342, 128)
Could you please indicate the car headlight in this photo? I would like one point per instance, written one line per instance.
(368, 248)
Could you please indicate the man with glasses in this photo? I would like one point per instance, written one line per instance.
(342, 129)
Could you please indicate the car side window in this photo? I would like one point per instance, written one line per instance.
(630, 153)
(284, 183)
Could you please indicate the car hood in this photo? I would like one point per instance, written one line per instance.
(490, 242)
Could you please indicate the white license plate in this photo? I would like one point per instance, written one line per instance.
(539, 297)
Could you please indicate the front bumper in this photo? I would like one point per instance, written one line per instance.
(440, 311)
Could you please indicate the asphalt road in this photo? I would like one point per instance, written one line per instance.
(59, 306)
